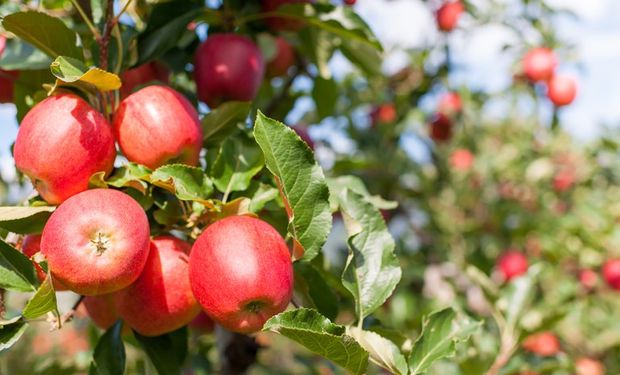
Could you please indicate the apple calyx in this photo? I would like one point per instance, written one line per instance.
(100, 243)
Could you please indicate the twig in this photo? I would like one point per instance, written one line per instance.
(66, 317)
(104, 40)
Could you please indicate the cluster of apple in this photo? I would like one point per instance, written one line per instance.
(539, 65)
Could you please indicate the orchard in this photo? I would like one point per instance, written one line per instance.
(232, 187)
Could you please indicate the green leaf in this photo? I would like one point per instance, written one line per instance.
(368, 59)
(43, 301)
(129, 175)
(10, 333)
(518, 296)
(318, 334)
(16, 271)
(29, 90)
(325, 95)
(355, 184)
(48, 34)
(314, 286)
(383, 352)
(167, 352)
(301, 182)
(223, 120)
(261, 194)
(187, 183)
(19, 55)
(73, 72)
(439, 336)
(372, 269)
(109, 356)
(237, 161)
(24, 220)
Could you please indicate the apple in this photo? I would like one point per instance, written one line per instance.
(350, 2)
(383, 114)
(7, 78)
(588, 279)
(462, 159)
(448, 15)
(562, 90)
(563, 180)
(102, 310)
(589, 366)
(544, 344)
(283, 60)
(611, 273)
(241, 273)
(60, 144)
(32, 245)
(228, 67)
(440, 128)
(450, 104)
(512, 264)
(157, 125)
(96, 242)
(143, 74)
(202, 323)
(282, 23)
(539, 64)
(302, 132)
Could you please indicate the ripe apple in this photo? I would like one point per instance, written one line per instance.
(448, 15)
(60, 144)
(102, 310)
(281, 23)
(441, 128)
(143, 74)
(544, 344)
(562, 90)
(450, 104)
(462, 159)
(157, 125)
(611, 273)
(563, 180)
(349, 2)
(589, 366)
(512, 264)
(588, 279)
(241, 273)
(383, 114)
(32, 245)
(228, 67)
(202, 323)
(539, 64)
(284, 58)
(97, 241)
(7, 78)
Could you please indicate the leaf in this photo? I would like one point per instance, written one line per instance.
(368, 59)
(372, 269)
(301, 182)
(109, 356)
(260, 195)
(222, 121)
(167, 352)
(129, 175)
(48, 34)
(355, 184)
(383, 352)
(236, 163)
(19, 55)
(318, 334)
(519, 296)
(28, 89)
(10, 333)
(43, 301)
(16, 271)
(319, 292)
(72, 72)
(325, 95)
(439, 336)
(25, 220)
(187, 183)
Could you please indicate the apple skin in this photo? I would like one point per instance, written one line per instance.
(461, 159)
(143, 74)
(589, 366)
(157, 125)
(512, 264)
(539, 64)
(7, 78)
(544, 344)
(440, 128)
(32, 245)
(228, 67)
(562, 90)
(450, 104)
(161, 300)
(241, 273)
(96, 242)
(588, 279)
(383, 114)
(202, 324)
(611, 273)
(102, 310)
(283, 60)
(282, 23)
(60, 144)
(563, 180)
(350, 2)
(448, 15)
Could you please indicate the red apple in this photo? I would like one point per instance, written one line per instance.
(544, 344)
(589, 366)
(512, 264)
(202, 323)
(97, 241)
(161, 300)
(562, 90)
(383, 114)
(32, 245)
(102, 310)
(60, 144)
(284, 58)
(143, 74)
(462, 159)
(157, 125)
(588, 279)
(539, 64)
(611, 273)
(440, 128)
(7, 78)
(228, 67)
(448, 15)
(563, 180)
(302, 132)
(241, 273)
(282, 23)
(349, 2)
(450, 104)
